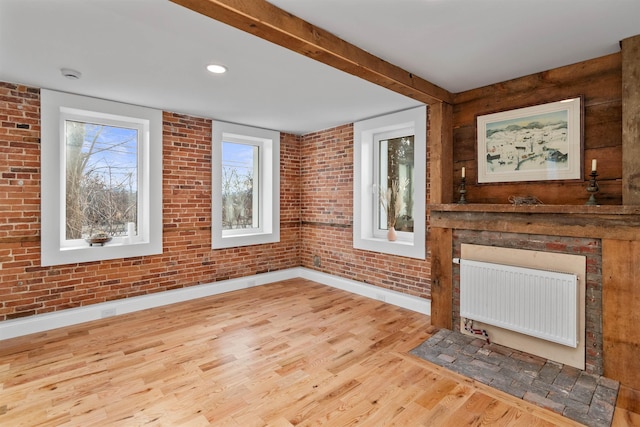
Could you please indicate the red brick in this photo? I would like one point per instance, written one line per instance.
(186, 212)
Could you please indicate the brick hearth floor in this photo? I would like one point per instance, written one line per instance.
(583, 397)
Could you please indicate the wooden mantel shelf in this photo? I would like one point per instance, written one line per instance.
(542, 209)
(601, 221)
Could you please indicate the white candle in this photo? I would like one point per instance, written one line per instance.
(131, 229)
(593, 165)
(463, 170)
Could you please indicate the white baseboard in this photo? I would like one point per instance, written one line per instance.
(410, 302)
(44, 322)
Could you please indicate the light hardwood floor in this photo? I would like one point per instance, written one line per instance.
(289, 353)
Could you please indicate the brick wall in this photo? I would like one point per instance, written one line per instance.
(19, 197)
(27, 289)
(327, 213)
(316, 202)
(590, 248)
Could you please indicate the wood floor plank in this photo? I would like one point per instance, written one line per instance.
(623, 418)
(289, 353)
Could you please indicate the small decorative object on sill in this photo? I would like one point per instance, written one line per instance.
(593, 189)
(524, 200)
(391, 201)
(100, 238)
(391, 234)
(462, 191)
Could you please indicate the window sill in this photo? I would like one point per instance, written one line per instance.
(234, 235)
(403, 248)
(237, 240)
(385, 240)
(86, 253)
(110, 244)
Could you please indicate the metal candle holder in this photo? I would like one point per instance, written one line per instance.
(462, 191)
(593, 189)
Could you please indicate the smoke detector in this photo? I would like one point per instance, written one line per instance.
(71, 74)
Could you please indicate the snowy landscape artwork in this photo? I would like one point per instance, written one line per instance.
(529, 144)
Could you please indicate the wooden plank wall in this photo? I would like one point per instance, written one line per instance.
(621, 317)
(598, 80)
(606, 133)
(631, 120)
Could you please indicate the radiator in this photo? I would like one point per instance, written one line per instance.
(538, 303)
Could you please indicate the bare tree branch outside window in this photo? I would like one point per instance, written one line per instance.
(239, 203)
(101, 179)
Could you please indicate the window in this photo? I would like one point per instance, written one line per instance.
(390, 183)
(100, 179)
(393, 175)
(240, 187)
(246, 186)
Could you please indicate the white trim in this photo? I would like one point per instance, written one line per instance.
(44, 322)
(364, 188)
(269, 210)
(54, 104)
(410, 302)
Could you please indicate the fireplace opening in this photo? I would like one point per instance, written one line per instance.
(574, 310)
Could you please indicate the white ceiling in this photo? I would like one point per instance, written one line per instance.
(154, 53)
(466, 44)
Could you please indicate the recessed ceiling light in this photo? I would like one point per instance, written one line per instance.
(217, 69)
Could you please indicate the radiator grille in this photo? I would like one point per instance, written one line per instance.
(539, 303)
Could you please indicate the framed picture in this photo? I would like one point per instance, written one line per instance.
(543, 142)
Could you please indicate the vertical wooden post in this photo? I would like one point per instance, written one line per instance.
(631, 120)
(620, 271)
(441, 191)
(440, 152)
(620, 314)
(441, 243)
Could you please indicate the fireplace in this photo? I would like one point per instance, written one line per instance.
(549, 251)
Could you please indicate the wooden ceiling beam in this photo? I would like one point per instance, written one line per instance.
(271, 23)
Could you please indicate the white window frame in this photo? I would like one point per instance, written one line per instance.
(365, 190)
(268, 143)
(56, 108)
